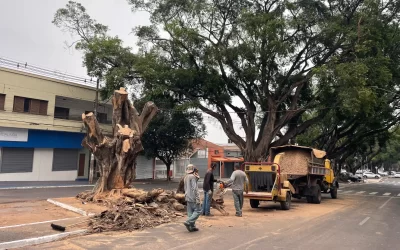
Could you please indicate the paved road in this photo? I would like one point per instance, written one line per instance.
(365, 221)
(14, 195)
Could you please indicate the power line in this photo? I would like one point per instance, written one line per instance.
(55, 74)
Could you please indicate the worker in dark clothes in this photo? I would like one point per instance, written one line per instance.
(208, 188)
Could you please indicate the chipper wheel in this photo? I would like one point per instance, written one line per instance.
(334, 192)
(285, 205)
(254, 203)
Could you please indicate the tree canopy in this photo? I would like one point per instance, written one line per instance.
(270, 61)
(174, 127)
(282, 68)
(172, 131)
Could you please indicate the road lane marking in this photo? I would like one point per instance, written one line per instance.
(385, 202)
(363, 221)
(373, 193)
(40, 222)
(346, 192)
(191, 242)
(386, 193)
(249, 242)
(339, 190)
(360, 192)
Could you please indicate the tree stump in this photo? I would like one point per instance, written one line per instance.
(116, 156)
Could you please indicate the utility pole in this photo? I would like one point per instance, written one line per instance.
(92, 164)
(96, 102)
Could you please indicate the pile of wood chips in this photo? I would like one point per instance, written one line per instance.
(135, 209)
(295, 162)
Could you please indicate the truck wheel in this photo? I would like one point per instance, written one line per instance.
(317, 195)
(285, 205)
(310, 199)
(334, 192)
(254, 203)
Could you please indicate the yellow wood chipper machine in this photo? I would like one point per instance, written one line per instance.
(267, 184)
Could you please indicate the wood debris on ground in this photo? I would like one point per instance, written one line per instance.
(135, 209)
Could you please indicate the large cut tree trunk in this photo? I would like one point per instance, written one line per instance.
(116, 156)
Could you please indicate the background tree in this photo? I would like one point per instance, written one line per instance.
(104, 56)
(172, 131)
(269, 59)
(279, 66)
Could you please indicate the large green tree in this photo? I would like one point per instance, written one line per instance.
(268, 61)
(173, 128)
(278, 66)
(171, 133)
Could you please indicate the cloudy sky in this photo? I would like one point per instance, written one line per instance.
(27, 35)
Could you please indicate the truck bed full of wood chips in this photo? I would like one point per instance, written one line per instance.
(295, 162)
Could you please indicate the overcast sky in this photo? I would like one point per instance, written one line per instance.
(27, 35)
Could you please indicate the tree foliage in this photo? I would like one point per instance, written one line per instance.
(280, 59)
(172, 131)
(104, 56)
(283, 68)
(174, 127)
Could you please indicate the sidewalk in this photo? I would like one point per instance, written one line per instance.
(41, 184)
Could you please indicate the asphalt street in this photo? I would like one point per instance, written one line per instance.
(372, 223)
(368, 219)
(14, 195)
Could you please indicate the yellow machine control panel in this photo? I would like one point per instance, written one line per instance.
(261, 168)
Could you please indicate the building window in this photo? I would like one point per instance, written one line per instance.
(102, 117)
(202, 153)
(216, 152)
(159, 162)
(61, 113)
(2, 100)
(29, 105)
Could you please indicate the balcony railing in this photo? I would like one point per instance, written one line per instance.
(79, 118)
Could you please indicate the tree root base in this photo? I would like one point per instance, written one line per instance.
(133, 209)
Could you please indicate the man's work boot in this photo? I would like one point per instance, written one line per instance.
(194, 229)
(187, 225)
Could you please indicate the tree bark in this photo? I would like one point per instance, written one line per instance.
(168, 169)
(116, 156)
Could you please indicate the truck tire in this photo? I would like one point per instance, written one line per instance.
(254, 203)
(317, 195)
(334, 192)
(310, 199)
(285, 205)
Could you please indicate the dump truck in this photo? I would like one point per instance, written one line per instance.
(307, 169)
(267, 184)
(292, 171)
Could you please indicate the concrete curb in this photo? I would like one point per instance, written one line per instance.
(70, 208)
(33, 187)
(38, 240)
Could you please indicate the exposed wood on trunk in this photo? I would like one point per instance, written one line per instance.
(116, 156)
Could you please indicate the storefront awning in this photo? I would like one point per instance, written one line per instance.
(227, 159)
